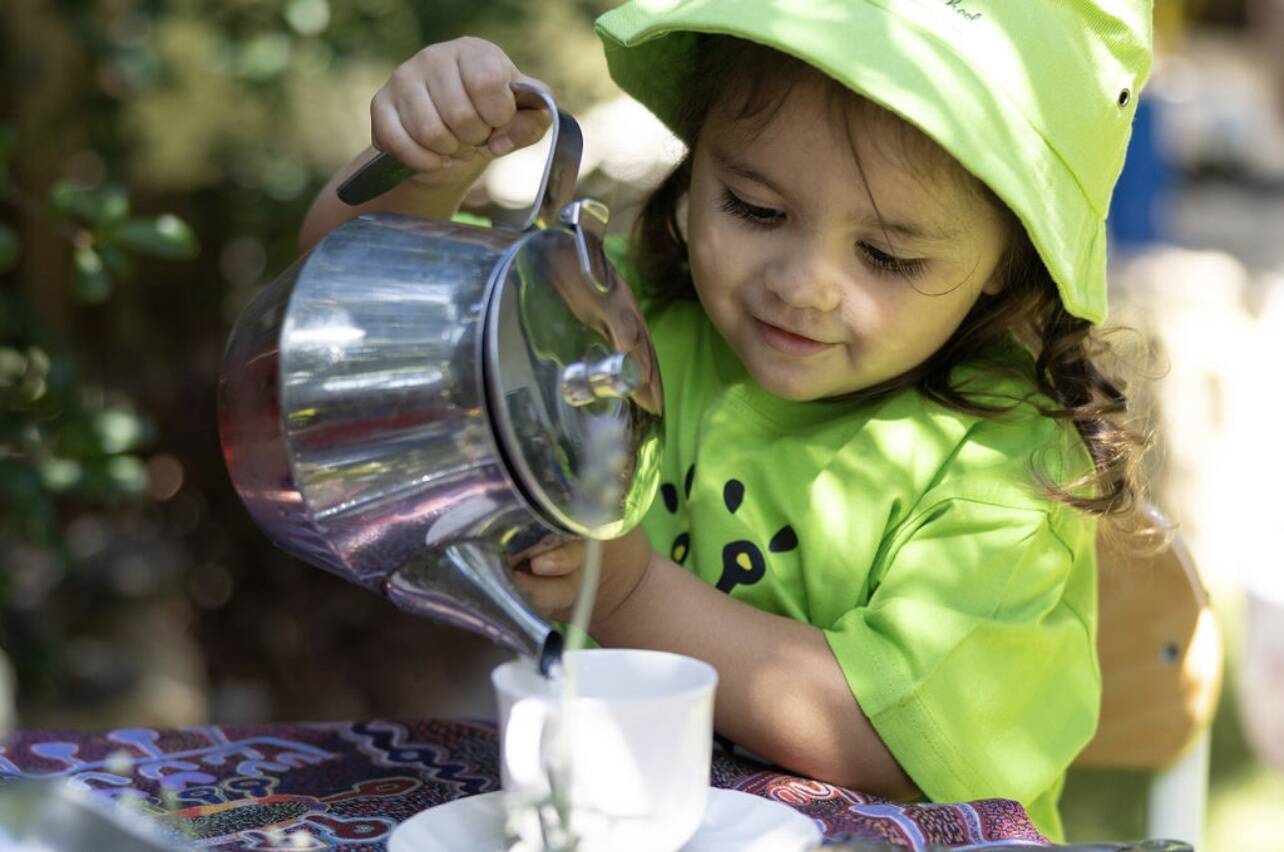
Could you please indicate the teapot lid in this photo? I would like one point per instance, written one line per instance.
(572, 379)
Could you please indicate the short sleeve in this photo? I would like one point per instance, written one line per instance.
(974, 657)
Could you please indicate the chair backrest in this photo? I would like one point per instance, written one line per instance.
(1160, 653)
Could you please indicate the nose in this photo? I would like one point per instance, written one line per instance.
(807, 280)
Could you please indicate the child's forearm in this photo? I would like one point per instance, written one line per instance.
(435, 197)
(781, 692)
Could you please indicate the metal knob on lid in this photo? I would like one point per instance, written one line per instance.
(568, 358)
(611, 377)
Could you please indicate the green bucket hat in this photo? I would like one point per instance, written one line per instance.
(1034, 97)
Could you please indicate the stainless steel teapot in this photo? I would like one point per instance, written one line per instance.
(414, 403)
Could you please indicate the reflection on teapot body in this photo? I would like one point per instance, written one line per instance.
(406, 405)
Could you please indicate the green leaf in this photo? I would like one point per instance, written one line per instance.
(117, 262)
(118, 430)
(9, 248)
(39, 361)
(308, 17)
(111, 205)
(23, 375)
(128, 474)
(165, 236)
(60, 475)
(35, 382)
(105, 205)
(69, 200)
(13, 366)
(264, 56)
(464, 217)
(93, 284)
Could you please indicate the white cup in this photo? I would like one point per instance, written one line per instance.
(638, 744)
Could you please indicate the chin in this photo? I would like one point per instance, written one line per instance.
(787, 387)
(795, 394)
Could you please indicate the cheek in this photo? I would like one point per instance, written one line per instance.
(717, 258)
(894, 317)
(873, 305)
(932, 319)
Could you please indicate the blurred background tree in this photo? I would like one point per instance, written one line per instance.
(133, 585)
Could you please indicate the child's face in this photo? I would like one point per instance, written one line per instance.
(793, 267)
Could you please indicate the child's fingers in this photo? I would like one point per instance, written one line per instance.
(486, 76)
(526, 128)
(559, 561)
(421, 117)
(387, 134)
(455, 105)
(553, 597)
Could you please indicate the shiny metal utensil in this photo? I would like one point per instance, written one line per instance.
(413, 404)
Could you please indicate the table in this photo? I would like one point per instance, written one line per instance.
(348, 784)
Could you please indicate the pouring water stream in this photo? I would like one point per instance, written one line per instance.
(602, 488)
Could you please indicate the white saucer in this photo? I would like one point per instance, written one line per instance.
(733, 822)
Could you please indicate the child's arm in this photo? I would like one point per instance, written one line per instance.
(445, 112)
(430, 200)
(781, 692)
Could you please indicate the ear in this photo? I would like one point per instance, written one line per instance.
(682, 213)
(998, 280)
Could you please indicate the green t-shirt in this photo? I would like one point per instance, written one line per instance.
(959, 603)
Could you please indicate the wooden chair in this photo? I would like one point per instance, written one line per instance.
(1161, 667)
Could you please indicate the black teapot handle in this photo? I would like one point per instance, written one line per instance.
(381, 173)
(557, 185)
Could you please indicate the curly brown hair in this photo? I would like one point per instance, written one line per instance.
(750, 81)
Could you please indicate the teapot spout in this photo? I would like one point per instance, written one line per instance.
(468, 584)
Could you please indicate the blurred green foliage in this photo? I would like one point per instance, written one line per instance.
(61, 441)
(156, 159)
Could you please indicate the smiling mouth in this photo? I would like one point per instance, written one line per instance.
(787, 342)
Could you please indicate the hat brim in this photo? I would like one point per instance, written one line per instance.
(911, 69)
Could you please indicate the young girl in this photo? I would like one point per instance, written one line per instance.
(871, 284)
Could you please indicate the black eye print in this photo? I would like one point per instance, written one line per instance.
(670, 495)
(1124, 97)
(732, 494)
(784, 540)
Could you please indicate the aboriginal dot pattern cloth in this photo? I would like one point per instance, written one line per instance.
(346, 785)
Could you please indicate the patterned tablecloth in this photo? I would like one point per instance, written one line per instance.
(346, 785)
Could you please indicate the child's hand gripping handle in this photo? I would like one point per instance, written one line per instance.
(557, 186)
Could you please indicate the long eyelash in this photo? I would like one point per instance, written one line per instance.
(890, 265)
(761, 217)
(765, 217)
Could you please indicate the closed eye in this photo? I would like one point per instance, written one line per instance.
(761, 217)
(889, 264)
(768, 217)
